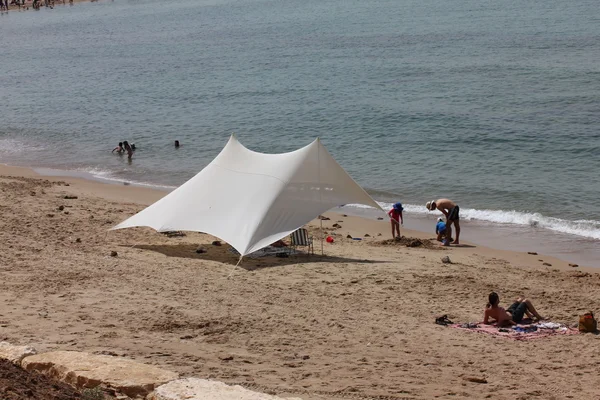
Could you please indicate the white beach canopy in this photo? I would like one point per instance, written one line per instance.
(251, 200)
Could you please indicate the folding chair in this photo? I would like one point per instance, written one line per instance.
(300, 238)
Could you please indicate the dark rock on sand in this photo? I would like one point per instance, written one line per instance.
(367, 235)
(349, 237)
(446, 260)
(68, 197)
(336, 226)
(533, 253)
(548, 264)
(574, 265)
(60, 208)
(113, 253)
(216, 243)
(200, 250)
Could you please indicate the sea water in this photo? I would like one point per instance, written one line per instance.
(495, 105)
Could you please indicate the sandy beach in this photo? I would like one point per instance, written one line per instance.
(356, 323)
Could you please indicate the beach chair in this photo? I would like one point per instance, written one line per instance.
(300, 238)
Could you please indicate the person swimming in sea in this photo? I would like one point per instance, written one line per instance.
(119, 149)
(128, 149)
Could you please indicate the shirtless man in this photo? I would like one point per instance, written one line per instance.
(513, 315)
(450, 211)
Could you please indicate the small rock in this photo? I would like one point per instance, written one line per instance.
(113, 253)
(305, 357)
(68, 197)
(533, 253)
(66, 184)
(380, 218)
(322, 218)
(336, 226)
(67, 213)
(216, 243)
(367, 235)
(225, 357)
(60, 208)
(548, 264)
(379, 234)
(446, 260)
(50, 215)
(349, 237)
(574, 265)
(475, 379)
(344, 215)
(540, 260)
(78, 240)
(200, 250)
(32, 193)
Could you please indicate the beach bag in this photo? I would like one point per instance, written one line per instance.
(587, 323)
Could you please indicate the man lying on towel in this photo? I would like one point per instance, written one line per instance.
(513, 315)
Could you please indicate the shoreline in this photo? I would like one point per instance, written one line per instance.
(363, 219)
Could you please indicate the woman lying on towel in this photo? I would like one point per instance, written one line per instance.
(513, 315)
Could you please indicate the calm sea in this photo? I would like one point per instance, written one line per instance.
(493, 104)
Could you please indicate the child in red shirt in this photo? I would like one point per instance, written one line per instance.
(396, 219)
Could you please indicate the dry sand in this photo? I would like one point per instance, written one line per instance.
(356, 323)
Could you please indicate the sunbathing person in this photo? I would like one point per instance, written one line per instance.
(513, 315)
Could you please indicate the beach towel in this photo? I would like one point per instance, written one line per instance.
(522, 331)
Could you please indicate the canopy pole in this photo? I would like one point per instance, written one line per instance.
(320, 193)
(320, 220)
(235, 266)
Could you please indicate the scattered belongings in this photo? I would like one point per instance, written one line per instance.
(446, 260)
(523, 331)
(216, 243)
(533, 253)
(587, 323)
(113, 253)
(443, 320)
(173, 234)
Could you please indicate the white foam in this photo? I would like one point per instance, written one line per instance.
(583, 228)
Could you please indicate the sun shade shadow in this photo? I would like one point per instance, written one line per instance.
(224, 255)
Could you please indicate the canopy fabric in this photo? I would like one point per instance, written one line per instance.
(251, 200)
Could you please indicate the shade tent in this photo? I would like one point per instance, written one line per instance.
(251, 200)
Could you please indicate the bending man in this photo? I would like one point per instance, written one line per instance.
(450, 211)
